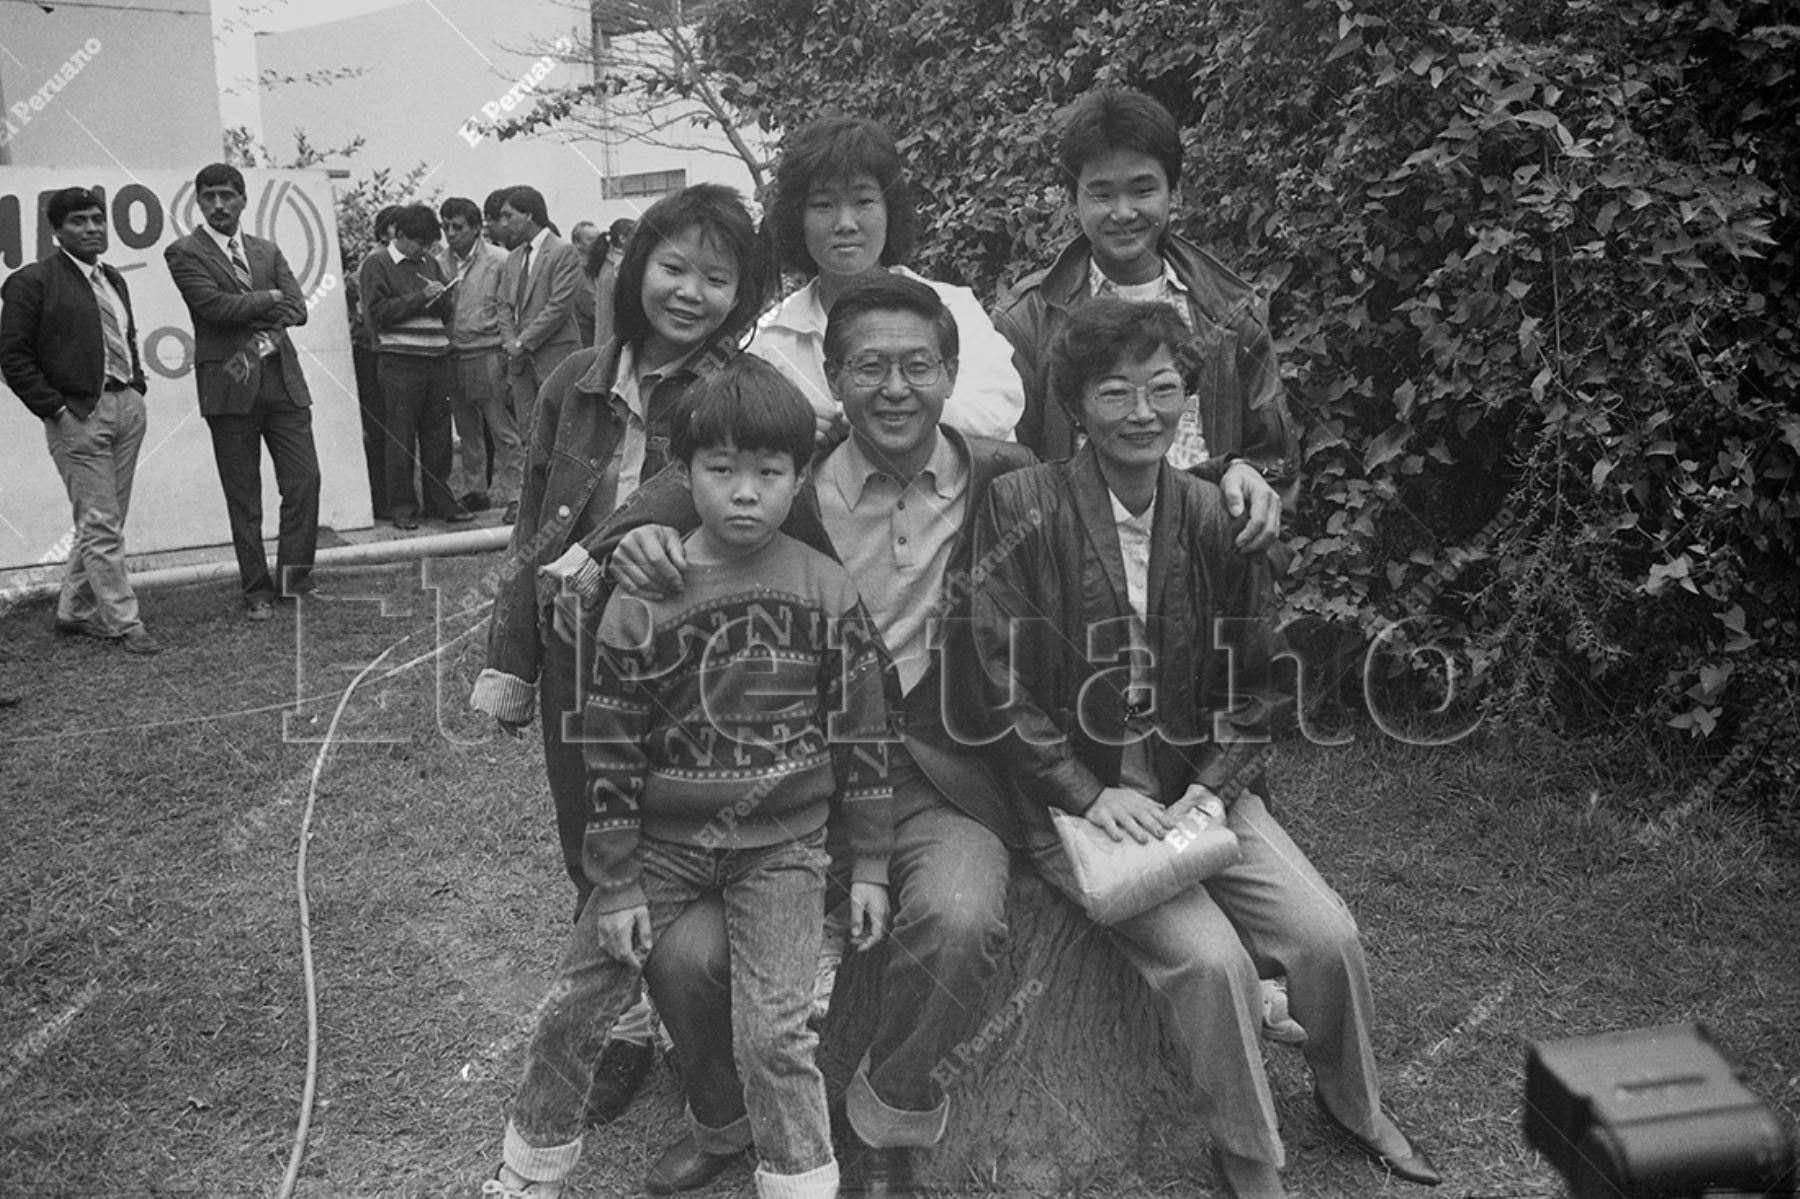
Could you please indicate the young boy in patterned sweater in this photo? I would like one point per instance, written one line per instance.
(723, 725)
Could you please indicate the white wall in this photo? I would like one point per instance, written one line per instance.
(427, 70)
(108, 85)
(177, 501)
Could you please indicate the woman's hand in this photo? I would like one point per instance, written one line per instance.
(1121, 812)
(868, 915)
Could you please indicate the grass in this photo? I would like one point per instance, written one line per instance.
(152, 1029)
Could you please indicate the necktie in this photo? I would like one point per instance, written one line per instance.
(118, 351)
(524, 282)
(265, 341)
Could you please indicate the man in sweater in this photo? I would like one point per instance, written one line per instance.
(489, 455)
(407, 303)
(724, 727)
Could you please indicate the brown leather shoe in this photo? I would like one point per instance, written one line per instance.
(684, 1166)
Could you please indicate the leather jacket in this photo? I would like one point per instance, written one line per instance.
(1052, 632)
(1243, 414)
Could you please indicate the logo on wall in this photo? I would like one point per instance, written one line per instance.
(277, 211)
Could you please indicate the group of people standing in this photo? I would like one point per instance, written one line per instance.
(69, 349)
(1007, 509)
(462, 314)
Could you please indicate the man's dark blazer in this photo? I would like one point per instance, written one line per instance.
(227, 319)
(52, 352)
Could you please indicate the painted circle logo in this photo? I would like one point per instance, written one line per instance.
(281, 212)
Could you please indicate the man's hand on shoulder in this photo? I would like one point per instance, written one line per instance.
(650, 563)
(1247, 491)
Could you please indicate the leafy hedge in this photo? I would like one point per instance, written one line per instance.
(1532, 270)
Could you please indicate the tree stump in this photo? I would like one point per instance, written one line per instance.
(1071, 1066)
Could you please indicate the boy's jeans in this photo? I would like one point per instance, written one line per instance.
(774, 901)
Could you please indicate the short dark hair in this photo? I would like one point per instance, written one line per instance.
(880, 291)
(384, 221)
(719, 214)
(461, 206)
(418, 222)
(749, 405)
(619, 232)
(828, 150)
(220, 174)
(1103, 333)
(490, 207)
(530, 201)
(68, 201)
(1118, 119)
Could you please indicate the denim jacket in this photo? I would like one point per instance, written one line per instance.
(576, 432)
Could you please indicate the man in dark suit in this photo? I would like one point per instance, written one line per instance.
(68, 348)
(242, 298)
(537, 300)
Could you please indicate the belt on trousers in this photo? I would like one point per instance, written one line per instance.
(115, 385)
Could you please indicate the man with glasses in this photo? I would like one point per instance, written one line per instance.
(895, 502)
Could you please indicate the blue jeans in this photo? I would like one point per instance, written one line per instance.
(774, 902)
(948, 877)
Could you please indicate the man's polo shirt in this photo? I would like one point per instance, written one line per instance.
(895, 539)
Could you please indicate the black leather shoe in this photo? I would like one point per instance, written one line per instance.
(1414, 1167)
(888, 1174)
(684, 1166)
(617, 1077)
(511, 515)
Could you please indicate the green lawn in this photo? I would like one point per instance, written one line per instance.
(152, 1026)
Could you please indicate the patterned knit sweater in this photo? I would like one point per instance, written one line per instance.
(730, 715)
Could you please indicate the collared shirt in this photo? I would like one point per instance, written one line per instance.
(988, 397)
(1166, 288)
(475, 326)
(895, 540)
(225, 243)
(1134, 547)
(536, 253)
(119, 311)
(625, 473)
(1188, 450)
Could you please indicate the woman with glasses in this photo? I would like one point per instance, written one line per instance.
(1127, 644)
(842, 208)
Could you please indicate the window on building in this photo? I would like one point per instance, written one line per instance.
(646, 183)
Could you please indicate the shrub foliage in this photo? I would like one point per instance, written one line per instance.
(1532, 271)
